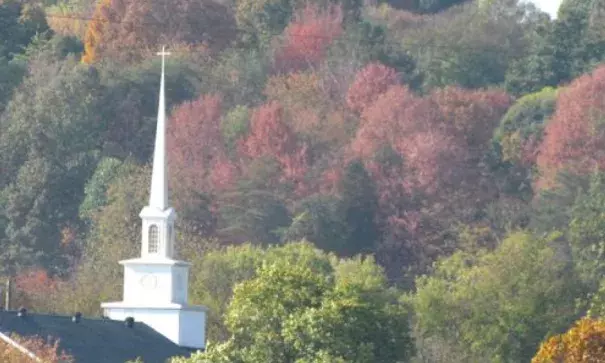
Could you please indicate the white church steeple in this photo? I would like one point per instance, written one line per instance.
(158, 218)
(155, 285)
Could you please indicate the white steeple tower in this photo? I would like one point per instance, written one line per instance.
(155, 285)
(158, 218)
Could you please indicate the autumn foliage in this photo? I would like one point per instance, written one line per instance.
(415, 129)
(35, 280)
(308, 36)
(46, 351)
(437, 135)
(197, 153)
(271, 136)
(308, 109)
(130, 30)
(575, 137)
(34, 287)
(370, 82)
(425, 152)
(301, 97)
(355, 125)
(464, 110)
(583, 343)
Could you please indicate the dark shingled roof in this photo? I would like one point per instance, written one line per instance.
(94, 340)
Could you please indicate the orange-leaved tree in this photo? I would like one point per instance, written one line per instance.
(583, 343)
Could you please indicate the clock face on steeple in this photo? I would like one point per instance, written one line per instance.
(149, 282)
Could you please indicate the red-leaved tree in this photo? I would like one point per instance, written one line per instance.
(34, 288)
(574, 138)
(196, 150)
(412, 127)
(470, 117)
(308, 36)
(35, 280)
(425, 154)
(270, 136)
(370, 82)
(472, 114)
(199, 164)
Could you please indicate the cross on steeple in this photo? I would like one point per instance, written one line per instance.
(163, 53)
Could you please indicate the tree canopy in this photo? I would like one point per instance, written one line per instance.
(301, 305)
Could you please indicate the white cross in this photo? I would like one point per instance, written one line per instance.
(163, 53)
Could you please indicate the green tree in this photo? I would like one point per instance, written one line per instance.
(318, 220)
(11, 75)
(473, 47)
(235, 125)
(14, 68)
(434, 6)
(115, 236)
(358, 207)
(498, 306)
(586, 235)
(218, 271)
(95, 190)
(213, 277)
(552, 209)
(19, 22)
(316, 308)
(561, 50)
(533, 70)
(571, 40)
(239, 74)
(522, 126)
(255, 209)
(596, 306)
(53, 133)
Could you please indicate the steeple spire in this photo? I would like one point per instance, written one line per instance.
(158, 197)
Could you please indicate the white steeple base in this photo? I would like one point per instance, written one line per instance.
(183, 325)
(155, 293)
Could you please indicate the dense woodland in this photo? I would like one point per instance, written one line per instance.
(356, 182)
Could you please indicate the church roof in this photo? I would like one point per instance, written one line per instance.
(94, 340)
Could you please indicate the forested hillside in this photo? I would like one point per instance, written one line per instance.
(458, 145)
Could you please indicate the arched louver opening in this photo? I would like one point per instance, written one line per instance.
(154, 239)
